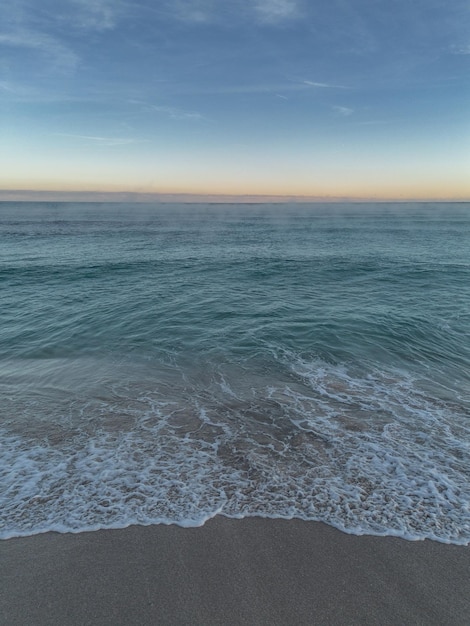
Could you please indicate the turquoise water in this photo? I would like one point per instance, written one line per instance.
(163, 364)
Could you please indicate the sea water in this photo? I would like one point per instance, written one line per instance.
(166, 363)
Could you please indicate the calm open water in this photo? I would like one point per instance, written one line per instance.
(165, 363)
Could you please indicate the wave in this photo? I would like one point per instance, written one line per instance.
(369, 451)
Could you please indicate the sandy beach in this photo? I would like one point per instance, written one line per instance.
(251, 571)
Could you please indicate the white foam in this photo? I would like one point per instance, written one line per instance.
(369, 453)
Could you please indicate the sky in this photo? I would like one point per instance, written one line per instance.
(347, 99)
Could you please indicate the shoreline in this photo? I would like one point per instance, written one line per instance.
(232, 571)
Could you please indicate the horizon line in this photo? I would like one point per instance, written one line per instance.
(51, 195)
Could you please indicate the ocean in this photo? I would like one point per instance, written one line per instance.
(167, 363)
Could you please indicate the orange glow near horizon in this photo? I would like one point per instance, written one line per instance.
(361, 180)
(435, 192)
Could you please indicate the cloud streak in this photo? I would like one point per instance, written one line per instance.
(4, 86)
(311, 83)
(61, 55)
(173, 113)
(177, 114)
(460, 49)
(44, 28)
(343, 111)
(275, 11)
(258, 88)
(193, 11)
(267, 12)
(97, 15)
(102, 141)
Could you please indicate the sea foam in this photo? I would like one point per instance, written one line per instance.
(367, 454)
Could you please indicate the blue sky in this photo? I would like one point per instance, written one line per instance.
(353, 99)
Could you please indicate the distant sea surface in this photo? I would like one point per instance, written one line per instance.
(167, 363)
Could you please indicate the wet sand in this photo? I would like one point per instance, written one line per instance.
(251, 571)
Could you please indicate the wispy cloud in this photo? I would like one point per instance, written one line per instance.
(217, 11)
(30, 93)
(103, 141)
(4, 86)
(177, 114)
(43, 27)
(273, 11)
(279, 89)
(343, 111)
(249, 89)
(17, 92)
(275, 89)
(173, 113)
(60, 55)
(311, 83)
(373, 123)
(192, 11)
(462, 49)
(98, 15)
